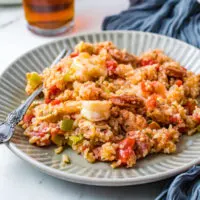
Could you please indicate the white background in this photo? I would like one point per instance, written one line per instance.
(19, 180)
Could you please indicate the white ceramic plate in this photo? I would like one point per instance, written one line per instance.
(10, 2)
(152, 168)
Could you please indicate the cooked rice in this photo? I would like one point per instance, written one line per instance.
(112, 106)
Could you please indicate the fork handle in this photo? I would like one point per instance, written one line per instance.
(7, 127)
(13, 118)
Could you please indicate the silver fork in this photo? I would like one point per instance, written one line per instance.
(7, 127)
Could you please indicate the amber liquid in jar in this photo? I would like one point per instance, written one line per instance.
(49, 16)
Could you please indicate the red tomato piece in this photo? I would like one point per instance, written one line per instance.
(179, 83)
(144, 87)
(54, 90)
(127, 143)
(126, 149)
(55, 102)
(59, 69)
(125, 154)
(28, 117)
(152, 101)
(147, 62)
(47, 100)
(74, 54)
(111, 65)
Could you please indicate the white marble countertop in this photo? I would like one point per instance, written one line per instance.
(18, 180)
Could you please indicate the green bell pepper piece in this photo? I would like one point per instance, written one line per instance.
(66, 124)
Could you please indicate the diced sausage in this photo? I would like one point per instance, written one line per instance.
(175, 72)
(127, 100)
(123, 57)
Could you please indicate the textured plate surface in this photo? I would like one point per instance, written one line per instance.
(152, 168)
(10, 2)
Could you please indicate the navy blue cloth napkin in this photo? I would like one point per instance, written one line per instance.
(185, 186)
(175, 18)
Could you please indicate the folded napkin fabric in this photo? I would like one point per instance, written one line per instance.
(185, 186)
(175, 18)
